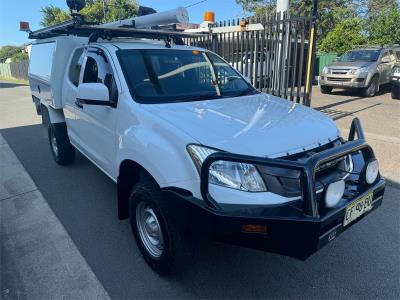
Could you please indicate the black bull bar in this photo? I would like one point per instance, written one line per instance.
(297, 235)
(306, 167)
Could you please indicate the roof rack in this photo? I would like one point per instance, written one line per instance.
(79, 27)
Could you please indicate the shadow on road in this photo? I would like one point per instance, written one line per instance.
(362, 263)
(8, 85)
(338, 114)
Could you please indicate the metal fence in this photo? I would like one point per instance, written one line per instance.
(274, 53)
(17, 70)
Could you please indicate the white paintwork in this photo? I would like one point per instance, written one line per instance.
(259, 125)
(53, 56)
(173, 16)
(156, 135)
(93, 91)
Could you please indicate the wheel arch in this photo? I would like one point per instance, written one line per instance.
(128, 175)
(376, 74)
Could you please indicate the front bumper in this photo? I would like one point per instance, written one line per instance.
(295, 236)
(395, 80)
(343, 81)
(285, 229)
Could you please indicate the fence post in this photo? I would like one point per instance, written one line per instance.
(311, 55)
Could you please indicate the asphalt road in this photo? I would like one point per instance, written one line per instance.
(363, 263)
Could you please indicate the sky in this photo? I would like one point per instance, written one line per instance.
(13, 11)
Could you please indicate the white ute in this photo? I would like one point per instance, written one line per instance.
(194, 148)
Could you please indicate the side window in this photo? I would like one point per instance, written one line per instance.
(98, 69)
(91, 73)
(76, 66)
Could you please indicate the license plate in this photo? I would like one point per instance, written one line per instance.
(357, 209)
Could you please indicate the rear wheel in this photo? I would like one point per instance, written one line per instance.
(326, 89)
(395, 91)
(61, 148)
(161, 242)
(372, 88)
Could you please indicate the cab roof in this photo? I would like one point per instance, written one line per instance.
(126, 44)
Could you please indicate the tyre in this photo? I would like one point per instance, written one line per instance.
(372, 87)
(164, 247)
(326, 89)
(395, 91)
(61, 148)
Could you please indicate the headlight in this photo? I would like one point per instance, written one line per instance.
(240, 176)
(359, 71)
(325, 70)
(334, 193)
(371, 171)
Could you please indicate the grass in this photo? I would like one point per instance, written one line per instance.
(14, 80)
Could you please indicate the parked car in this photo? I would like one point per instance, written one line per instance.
(194, 149)
(365, 69)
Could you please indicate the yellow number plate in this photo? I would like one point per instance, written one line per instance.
(357, 209)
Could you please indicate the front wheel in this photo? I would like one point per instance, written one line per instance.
(372, 88)
(61, 148)
(161, 242)
(325, 89)
(395, 91)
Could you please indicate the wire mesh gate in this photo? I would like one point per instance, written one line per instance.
(274, 53)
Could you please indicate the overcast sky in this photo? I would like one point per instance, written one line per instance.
(13, 11)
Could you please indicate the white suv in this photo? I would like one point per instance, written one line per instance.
(196, 151)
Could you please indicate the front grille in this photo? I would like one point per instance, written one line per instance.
(287, 183)
(339, 79)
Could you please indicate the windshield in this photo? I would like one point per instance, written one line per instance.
(167, 75)
(363, 55)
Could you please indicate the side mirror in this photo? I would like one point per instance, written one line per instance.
(93, 94)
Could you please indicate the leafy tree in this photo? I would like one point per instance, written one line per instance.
(330, 12)
(8, 52)
(344, 36)
(95, 11)
(53, 15)
(19, 56)
(385, 28)
(377, 7)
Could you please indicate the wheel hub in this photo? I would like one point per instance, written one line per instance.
(149, 230)
(54, 144)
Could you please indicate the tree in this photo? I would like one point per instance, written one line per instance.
(377, 7)
(8, 52)
(330, 12)
(385, 28)
(53, 15)
(344, 36)
(97, 11)
(19, 56)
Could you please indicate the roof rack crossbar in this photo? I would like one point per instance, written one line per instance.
(78, 27)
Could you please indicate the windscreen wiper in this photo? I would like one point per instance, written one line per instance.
(198, 97)
(247, 92)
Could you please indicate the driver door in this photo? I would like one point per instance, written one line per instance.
(97, 123)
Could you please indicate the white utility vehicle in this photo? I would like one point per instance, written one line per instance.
(194, 149)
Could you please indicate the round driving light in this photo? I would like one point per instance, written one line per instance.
(371, 172)
(334, 193)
